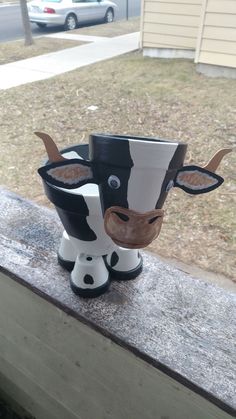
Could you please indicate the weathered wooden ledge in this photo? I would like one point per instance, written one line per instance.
(161, 346)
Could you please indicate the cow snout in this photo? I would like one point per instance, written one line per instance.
(131, 229)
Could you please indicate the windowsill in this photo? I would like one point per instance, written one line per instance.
(177, 323)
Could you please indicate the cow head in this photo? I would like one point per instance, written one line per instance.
(134, 176)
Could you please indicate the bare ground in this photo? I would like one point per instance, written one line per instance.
(120, 27)
(140, 96)
(15, 50)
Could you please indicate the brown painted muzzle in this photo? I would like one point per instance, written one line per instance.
(131, 229)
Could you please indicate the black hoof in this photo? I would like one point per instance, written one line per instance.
(88, 292)
(66, 264)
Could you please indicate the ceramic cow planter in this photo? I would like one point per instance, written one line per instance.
(109, 196)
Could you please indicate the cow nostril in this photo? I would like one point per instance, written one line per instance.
(152, 220)
(122, 216)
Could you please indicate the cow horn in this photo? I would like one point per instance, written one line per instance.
(216, 159)
(51, 148)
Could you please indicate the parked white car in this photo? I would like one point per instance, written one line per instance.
(70, 13)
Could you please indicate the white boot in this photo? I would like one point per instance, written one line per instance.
(124, 264)
(67, 253)
(90, 276)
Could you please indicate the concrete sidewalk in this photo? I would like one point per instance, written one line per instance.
(50, 65)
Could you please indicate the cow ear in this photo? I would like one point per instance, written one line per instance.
(68, 174)
(196, 180)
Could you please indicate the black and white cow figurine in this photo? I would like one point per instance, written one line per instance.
(109, 196)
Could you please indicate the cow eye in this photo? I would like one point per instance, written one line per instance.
(114, 182)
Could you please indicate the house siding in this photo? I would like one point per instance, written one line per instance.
(171, 23)
(57, 367)
(217, 36)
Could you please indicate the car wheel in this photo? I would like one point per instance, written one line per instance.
(70, 22)
(41, 25)
(109, 16)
